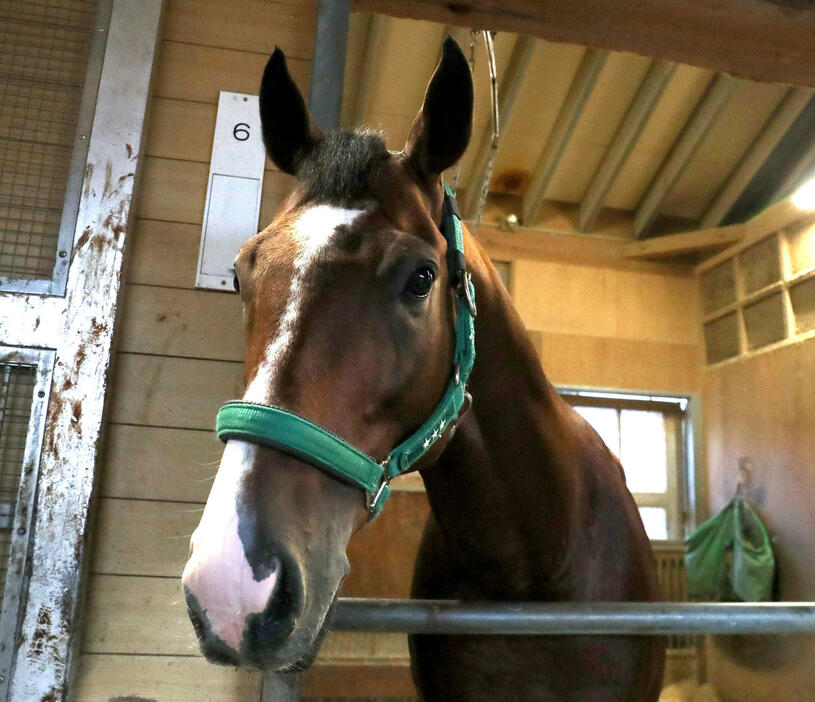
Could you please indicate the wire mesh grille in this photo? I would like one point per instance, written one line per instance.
(16, 396)
(44, 47)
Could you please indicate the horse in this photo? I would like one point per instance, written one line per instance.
(353, 302)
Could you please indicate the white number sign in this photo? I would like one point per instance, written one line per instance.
(234, 189)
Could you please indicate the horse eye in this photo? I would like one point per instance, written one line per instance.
(420, 282)
(236, 284)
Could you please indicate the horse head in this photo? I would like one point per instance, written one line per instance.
(350, 320)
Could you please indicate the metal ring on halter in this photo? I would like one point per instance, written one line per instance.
(466, 282)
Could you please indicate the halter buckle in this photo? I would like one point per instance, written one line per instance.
(378, 500)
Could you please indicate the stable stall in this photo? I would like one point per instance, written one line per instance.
(641, 200)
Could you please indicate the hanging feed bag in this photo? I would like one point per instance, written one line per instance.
(730, 558)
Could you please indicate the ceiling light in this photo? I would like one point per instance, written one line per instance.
(804, 197)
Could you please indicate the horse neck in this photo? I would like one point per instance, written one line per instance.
(508, 463)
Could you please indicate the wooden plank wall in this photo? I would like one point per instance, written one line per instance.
(600, 321)
(763, 408)
(170, 372)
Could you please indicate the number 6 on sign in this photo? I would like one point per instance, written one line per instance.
(241, 131)
(233, 190)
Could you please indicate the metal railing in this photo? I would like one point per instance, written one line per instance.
(570, 618)
(553, 618)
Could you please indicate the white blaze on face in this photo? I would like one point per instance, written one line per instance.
(313, 232)
(218, 573)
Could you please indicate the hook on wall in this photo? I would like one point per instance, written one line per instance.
(745, 476)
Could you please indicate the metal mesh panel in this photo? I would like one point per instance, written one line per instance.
(44, 47)
(16, 394)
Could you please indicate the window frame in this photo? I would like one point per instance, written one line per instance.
(683, 489)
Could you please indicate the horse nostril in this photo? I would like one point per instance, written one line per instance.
(197, 616)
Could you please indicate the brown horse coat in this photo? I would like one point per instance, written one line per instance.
(350, 317)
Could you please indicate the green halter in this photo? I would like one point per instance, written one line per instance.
(288, 432)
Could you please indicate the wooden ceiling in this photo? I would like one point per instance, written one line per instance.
(593, 141)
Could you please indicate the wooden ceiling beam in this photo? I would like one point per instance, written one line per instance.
(636, 117)
(579, 92)
(377, 27)
(767, 40)
(706, 111)
(702, 241)
(757, 153)
(508, 90)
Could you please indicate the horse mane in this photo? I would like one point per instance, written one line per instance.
(341, 166)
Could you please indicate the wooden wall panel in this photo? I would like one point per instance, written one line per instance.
(173, 322)
(250, 25)
(137, 615)
(111, 678)
(163, 253)
(624, 364)
(574, 299)
(164, 391)
(154, 463)
(356, 681)
(199, 73)
(181, 130)
(763, 409)
(144, 537)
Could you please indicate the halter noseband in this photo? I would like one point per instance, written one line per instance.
(283, 430)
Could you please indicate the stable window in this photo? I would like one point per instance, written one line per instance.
(48, 84)
(647, 434)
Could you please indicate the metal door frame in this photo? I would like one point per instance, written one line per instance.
(77, 330)
(16, 580)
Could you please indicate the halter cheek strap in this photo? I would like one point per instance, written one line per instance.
(288, 432)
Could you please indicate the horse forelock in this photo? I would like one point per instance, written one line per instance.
(342, 167)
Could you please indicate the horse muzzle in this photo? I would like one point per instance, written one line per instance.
(241, 619)
(262, 576)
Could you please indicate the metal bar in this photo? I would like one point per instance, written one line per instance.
(787, 111)
(636, 117)
(708, 108)
(570, 618)
(510, 86)
(328, 62)
(377, 28)
(579, 92)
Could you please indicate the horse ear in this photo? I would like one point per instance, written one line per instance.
(289, 132)
(441, 130)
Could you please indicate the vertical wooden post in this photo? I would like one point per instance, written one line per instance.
(283, 687)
